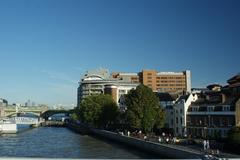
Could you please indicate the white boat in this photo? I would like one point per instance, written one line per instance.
(7, 126)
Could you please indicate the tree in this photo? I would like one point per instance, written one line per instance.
(160, 118)
(143, 110)
(98, 110)
(233, 140)
(234, 135)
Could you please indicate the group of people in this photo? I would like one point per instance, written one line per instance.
(167, 138)
(206, 145)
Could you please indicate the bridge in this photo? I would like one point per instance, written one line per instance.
(13, 111)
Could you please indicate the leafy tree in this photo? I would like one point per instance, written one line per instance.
(143, 110)
(234, 135)
(160, 118)
(98, 110)
(74, 117)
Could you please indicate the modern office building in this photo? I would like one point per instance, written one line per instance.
(171, 82)
(100, 82)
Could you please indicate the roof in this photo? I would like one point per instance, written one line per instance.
(230, 101)
(234, 79)
(166, 96)
(211, 86)
(183, 97)
(203, 101)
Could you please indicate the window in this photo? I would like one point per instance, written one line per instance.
(210, 108)
(226, 108)
(176, 120)
(122, 91)
(181, 120)
(195, 109)
(181, 111)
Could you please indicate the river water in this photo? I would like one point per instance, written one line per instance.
(50, 142)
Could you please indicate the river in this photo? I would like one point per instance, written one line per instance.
(50, 142)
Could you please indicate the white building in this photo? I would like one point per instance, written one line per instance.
(167, 102)
(99, 82)
(180, 113)
(3, 104)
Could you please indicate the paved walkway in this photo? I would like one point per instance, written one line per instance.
(192, 148)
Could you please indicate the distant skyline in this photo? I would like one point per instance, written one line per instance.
(46, 45)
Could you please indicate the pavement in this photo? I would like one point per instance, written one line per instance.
(195, 149)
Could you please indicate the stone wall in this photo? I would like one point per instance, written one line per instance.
(164, 150)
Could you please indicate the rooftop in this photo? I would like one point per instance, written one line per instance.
(166, 96)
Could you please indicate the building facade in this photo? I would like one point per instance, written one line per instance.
(180, 113)
(167, 102)
(171, 82)
(98, 83)
(216, 111)
(3, 105)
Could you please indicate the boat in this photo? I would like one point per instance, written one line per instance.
(8, 127)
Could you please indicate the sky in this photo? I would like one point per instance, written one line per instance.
(46, 45)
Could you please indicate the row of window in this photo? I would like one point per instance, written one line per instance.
(210, 121)
(211, 108)
(170, 81)
(172, 88)
(178, 78)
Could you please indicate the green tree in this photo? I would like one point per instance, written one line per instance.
(98, 110)
(160, 118)
(143, 110)
(234, 135)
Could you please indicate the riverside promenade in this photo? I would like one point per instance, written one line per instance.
(172, 151)
(168, 151)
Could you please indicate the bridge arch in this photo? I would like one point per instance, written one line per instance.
(49, 113)
(23, 114)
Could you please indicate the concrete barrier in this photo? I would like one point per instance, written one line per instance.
(165, 150)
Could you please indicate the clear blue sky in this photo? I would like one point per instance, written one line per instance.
(45, 45)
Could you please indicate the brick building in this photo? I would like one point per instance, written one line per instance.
(171, 82)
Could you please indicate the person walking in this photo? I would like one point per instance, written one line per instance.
(207, 145)
(204, 145)
(159, 139)
(145, 138)
(128, 134)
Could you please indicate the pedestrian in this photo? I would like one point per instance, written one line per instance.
(204, 145)
(174, 140)
(145, 138)
(128, 133)
(217, 152)
(207, 145)
(167, 139)
(159, 139)
(163, 134)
